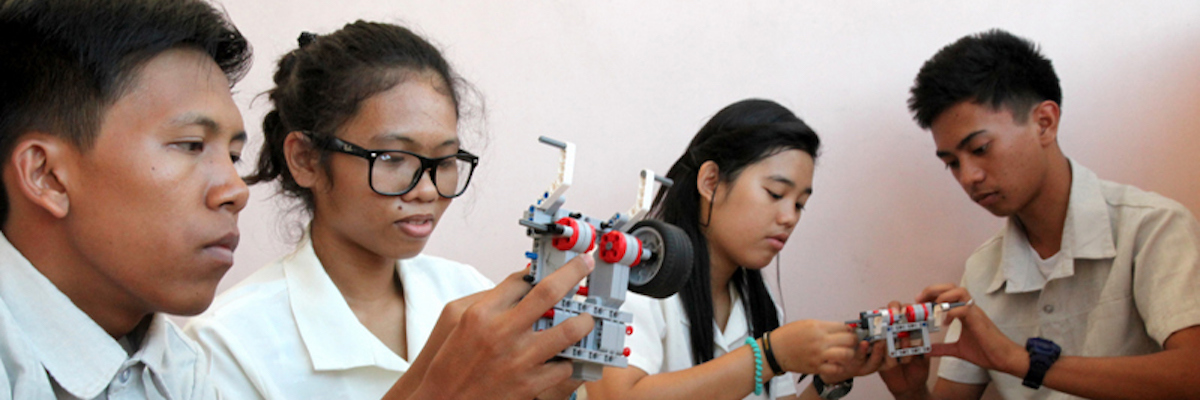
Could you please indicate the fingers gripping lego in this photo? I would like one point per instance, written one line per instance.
(649, 257)
(914, 322)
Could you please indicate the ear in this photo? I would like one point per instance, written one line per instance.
(39, 165)
(707, 180)
(302, 159)
(1045, 116)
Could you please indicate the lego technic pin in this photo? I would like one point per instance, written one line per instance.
(914, 322)
(648, 257)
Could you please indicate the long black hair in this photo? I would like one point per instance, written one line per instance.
(739, 135)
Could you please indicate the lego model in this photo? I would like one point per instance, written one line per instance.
(915, 322)
(649, 257)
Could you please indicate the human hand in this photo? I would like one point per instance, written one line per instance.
(980, 342)
(495, 353)
(905, 377)
(814, 347)
(868, 358)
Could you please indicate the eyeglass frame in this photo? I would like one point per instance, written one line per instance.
(333, 143)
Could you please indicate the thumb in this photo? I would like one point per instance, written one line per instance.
(944, 350)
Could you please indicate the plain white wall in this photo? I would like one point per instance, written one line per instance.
(630, 82)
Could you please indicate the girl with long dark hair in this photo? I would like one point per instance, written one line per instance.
(739, 191)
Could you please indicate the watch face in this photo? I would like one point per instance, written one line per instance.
(838, 392)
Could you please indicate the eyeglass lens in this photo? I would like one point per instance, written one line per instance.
(396, 172)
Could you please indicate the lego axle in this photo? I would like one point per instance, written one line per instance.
(914, 322)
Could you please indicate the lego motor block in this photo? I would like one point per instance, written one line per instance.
(914, 322)
(648, 257)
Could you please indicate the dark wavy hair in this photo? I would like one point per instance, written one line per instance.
(738, 136)
(64, 62)
(320, 85)
(993, 68)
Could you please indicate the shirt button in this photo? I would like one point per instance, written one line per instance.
(1048, 309)
(125, 375)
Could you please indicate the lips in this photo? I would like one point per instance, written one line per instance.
(223, 248)
(986, 199)
(417, 226)
(777, 241)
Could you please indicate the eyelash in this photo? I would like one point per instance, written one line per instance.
(981, 149)
(198, 147)
(978, 151)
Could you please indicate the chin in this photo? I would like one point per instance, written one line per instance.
(189, 307)
(187, 301)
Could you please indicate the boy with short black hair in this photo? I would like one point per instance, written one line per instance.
(1089, 291)
(118, 136)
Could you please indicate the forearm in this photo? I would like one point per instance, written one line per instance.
(1167, 374)
(730, 376)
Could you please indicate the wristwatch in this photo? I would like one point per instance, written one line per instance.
(1042, 354)
(832, 392)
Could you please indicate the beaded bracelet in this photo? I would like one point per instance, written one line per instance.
(758, 382)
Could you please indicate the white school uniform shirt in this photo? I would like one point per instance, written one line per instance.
(286, 332)
(661, 342)
(1124, 280)
(49, 348)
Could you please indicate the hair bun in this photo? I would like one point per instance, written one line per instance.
(306, 38)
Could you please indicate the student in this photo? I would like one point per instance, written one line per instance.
(119, 137)
(120, 201)
(739, 190)
(1089, 291)
(364, 133)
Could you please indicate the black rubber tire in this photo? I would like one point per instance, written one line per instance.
(664, 274)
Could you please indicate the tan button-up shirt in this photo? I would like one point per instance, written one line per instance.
(1126, 280)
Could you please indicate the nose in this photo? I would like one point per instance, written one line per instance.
(789, 216)
(969, 174)
(228, 191)
(425, 191)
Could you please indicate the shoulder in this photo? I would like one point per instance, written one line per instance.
(1128, 199)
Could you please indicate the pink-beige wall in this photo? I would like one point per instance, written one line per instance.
(631, 81)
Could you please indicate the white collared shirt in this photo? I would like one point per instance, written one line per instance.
(286, 332)
(49, 348)
(661, 341)
(1125, 280)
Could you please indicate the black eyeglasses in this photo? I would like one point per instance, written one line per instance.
(396, 172)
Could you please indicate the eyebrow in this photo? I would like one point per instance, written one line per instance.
(408, 140)
(211, 127)
(784, 180)
(962, 143)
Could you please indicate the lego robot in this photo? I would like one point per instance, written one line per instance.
(648, 257)
(916, 322)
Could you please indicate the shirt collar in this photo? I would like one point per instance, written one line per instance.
(1087, 234)
(332, 334)
(77, 353)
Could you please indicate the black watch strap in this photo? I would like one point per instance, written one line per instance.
(1042, 354)
(832, 392)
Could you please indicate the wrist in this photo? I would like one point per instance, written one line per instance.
(1018, 363)
(920, 392)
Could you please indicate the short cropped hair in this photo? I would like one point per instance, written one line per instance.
(994, 68)
(64, 62)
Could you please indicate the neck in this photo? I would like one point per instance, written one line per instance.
(1043, 219)
(57, 258)
(361, 276)
(721, 268)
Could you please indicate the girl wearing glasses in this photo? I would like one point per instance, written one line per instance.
(364, 133)
(739, 191)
